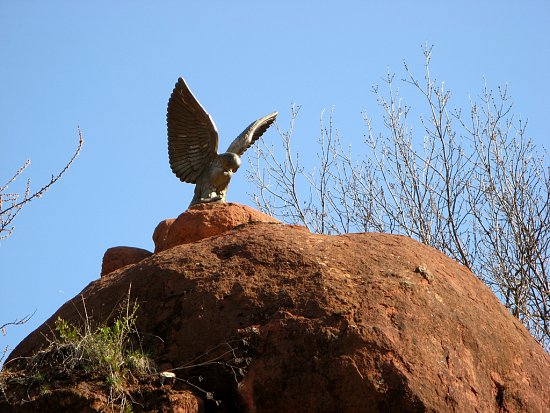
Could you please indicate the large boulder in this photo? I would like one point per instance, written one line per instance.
(273, 318)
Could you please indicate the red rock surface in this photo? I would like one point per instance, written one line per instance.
(275, 319)
(203, 221)
(90, 397)
(118, 257)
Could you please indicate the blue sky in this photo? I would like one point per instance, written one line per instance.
(110, 68)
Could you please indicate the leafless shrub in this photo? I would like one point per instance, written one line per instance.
(4, 331)
(11, 203)
(471, 185)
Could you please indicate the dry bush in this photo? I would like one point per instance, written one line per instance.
(469, 183)
(11, 203)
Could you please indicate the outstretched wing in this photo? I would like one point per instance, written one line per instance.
(192, 134)
(251, 134)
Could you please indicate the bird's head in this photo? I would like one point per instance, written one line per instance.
(230, 161)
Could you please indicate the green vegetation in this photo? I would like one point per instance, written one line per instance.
(106, 351)
(110, 353)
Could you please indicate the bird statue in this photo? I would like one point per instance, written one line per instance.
(193, 146)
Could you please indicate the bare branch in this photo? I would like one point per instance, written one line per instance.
(9, 213)
(4, 331)
(467, 182)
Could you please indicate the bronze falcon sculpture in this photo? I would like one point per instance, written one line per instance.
(193, 146)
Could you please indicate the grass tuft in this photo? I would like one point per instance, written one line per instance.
(110, 352)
